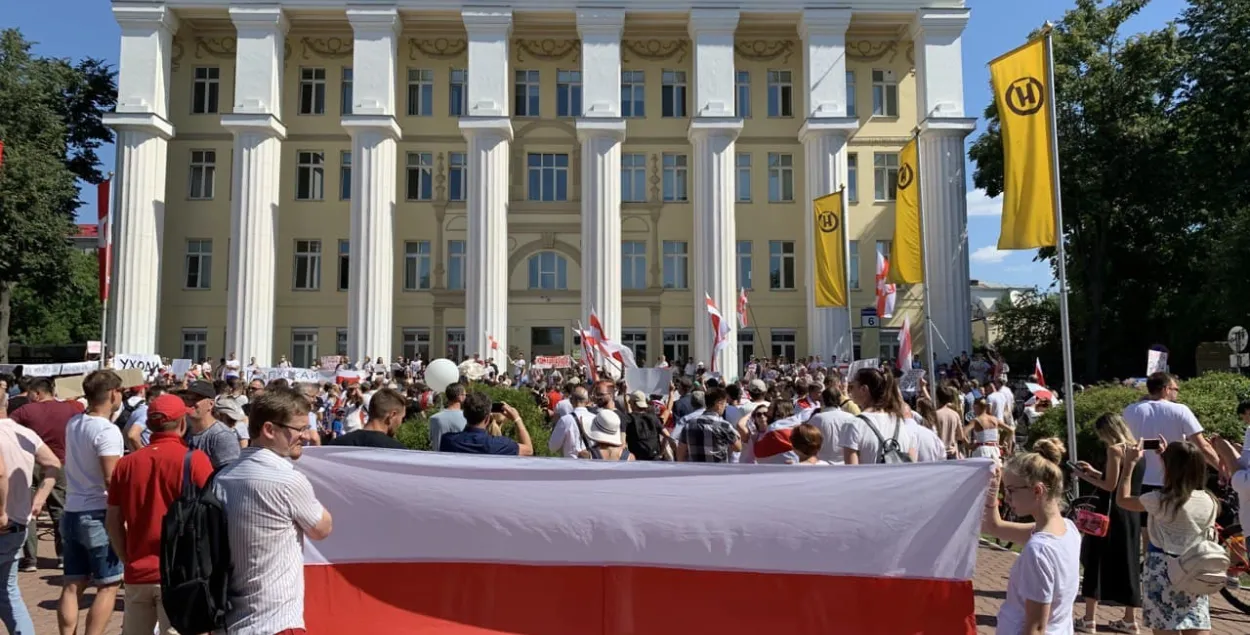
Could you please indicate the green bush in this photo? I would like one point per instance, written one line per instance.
(1213, 397)
(415, 432)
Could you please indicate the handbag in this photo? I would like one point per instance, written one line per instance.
(1092, 523)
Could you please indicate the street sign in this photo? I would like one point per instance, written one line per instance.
(1238, 338)
(868, 319)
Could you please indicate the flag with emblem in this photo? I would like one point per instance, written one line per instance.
(830, 262)
(907, 248)
(1021, 81)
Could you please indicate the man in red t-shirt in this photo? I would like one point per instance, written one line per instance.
(47, 417)
(144, 483)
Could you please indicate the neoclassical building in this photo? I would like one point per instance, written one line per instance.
(306, 178)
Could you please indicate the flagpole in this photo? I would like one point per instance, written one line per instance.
(105, 271)
(930, 344)
(1065, 327)
(846, 272)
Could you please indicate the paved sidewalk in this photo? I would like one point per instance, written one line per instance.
(41, 591)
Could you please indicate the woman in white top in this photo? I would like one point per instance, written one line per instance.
(986, 432)
(929, 446)
(1177, 517)
(880, 402)
(1044, 580)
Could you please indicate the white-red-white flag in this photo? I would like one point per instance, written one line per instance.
(742, 308)
(885, 291)
(588, 354)
(720, 330)
(1037, 370)
(904, 345)
(622, 354)
(494, 344)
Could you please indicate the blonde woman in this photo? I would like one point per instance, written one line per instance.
(1113, 562)
(986, 431)
(1044, 580)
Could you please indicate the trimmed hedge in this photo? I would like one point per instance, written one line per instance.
(1213, 397)
(415, 432)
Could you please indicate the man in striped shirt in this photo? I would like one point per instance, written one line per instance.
(269, 509)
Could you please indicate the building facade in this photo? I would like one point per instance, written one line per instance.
(304, 179)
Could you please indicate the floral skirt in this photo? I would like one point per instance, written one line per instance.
(1167, 609)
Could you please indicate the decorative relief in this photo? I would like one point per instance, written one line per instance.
(220, 47)
(765, 50)
(440, 179)
(911, 53)
(655, 50)
(871, 50)
(439, 47)
(548, 49)
(655, 178)
(176, 57)
(332, 47)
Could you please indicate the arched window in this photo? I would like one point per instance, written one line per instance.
(549, 270)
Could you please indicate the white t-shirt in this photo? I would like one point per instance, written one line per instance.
(18, 445)
(929, 446)
(831, 423)
(1153, 417)
(1048, 571)
(860, 437)
(87, 438)
(998, 404)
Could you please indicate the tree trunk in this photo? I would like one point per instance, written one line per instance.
(6, 311)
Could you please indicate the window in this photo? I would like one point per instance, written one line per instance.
(852, 178)
(195, 344)
(675, 178)
(304, 348)
(634, 178)
(783, 344)
(742, 96)
(636, 341)
(548, 177)
(676, 345)
(676, 257)
(312, 91)
(420, 176)
(345, 176)
(884, 94)
(883, 248)
(889, 348)
(205, 91)
(746, 345)
(526, 94)
(885, 176)
(633, 264)
(850, 94)
(673, 94)
(457, 176)
(780, 94)
(455, 344)
(633, 94)
(568, 93)
(416, 344)
(416, 265)
(744, 264)
(345, 264)
(203, 173)
(307, 265)
(780, 178)
(549, 271)
(853, 272)
(345, 91)
(857, 337)
(310, 175)
(455, 264)
(420, 92)
(780, 264)
(340, 341)
(744, 177)
(458, 92)
(199, 264)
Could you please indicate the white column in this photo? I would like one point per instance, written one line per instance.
(937, 35)
(824, 136)
(143, 132)
(488, 131)
(601, 131)
(256, 174)
(374, 132)
(713, 129)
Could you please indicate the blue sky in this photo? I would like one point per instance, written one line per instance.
(996, 26)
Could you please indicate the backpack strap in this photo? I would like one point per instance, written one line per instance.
(880, 439)
(187, 485)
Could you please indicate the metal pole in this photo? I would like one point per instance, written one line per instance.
(846, 275)
(106, 274)
(1066, 329)
(930, 344)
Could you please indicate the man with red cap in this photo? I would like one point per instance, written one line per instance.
(144, 483)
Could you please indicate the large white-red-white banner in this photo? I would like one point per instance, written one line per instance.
(455, 545)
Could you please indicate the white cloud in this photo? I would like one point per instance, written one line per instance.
(988, 255)
(981, 205)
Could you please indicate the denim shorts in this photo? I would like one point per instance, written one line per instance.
(88, 555)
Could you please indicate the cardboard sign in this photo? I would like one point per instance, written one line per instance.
(147, 364)
(864, 363)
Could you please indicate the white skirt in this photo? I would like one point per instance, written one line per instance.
(986, 452)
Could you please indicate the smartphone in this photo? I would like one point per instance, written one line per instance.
(1150, 444)
(497, 407)
(1073, 466)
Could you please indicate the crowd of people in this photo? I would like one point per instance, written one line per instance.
(107, 466)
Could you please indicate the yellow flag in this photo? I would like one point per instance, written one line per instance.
(907, 248)
(830, 254)
(1020, 81)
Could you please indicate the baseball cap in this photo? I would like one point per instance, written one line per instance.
(166, 407)
(230, 409)
(202, 389)
(639, 399)
(757, 385)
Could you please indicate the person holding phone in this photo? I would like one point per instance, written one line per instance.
(475, 439)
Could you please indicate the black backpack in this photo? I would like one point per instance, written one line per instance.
(195, 558)
(642, 434)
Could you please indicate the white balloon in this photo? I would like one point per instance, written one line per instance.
(440, 374)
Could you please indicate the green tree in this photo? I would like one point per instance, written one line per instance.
(50, 122)
(69, 313)
(1028, 330)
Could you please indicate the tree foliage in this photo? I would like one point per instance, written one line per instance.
(68, 313)
(1153, 133)
(50, 122)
